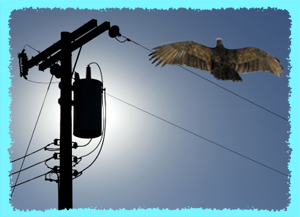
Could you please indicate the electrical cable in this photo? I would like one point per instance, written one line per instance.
(52, 149)
(127, 39)
(99, 69)
(103, 120)
(40, 82)
(30, 166)
(31, 48)
(93, 150)
(103, 136)
(120, 41)
(76, 60)
(32, 134)
(28, 154)
(45, 148)
(29, 180)
(85, 144)
(101, 141)
(47, 164)
(234, 93)
(195, 134)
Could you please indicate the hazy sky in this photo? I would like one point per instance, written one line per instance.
(146, 162)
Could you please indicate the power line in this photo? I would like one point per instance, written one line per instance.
(28, 154)
(195, 134)
(241, 97)
(40, 82)
(127, 39)
(30, 166)
(234, 93)
(30, 180)
(32, 134)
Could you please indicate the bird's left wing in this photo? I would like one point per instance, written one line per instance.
(187, 53)
(252, 59)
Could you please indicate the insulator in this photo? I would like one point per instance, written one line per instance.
(114, 31)
(55, 156)
(55, 141)
(75, 159)
(75, 145)
(75, 173)
(55, 70)
(56, 169)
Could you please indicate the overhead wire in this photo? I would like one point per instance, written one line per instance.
(30, 180)
(234, 93)
(32, 135)
(40, 82)
(28, 155)
(102, 139)
(129, 40)
(30, 166)
(195, 134)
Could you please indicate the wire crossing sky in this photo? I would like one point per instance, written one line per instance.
(16, 182)
(127, 39)
(148, 163)
(17, 172)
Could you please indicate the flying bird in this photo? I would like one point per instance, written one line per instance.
(223, 63)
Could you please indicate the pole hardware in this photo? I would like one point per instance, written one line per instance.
(62, 51)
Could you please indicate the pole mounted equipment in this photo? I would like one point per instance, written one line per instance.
(23, 63)
(78, 38)
(62, 51)
(114, 31)
(87, 106)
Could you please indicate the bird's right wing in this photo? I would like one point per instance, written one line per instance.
(187, 53)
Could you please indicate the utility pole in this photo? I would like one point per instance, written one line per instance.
(65, 192)
(48, 58)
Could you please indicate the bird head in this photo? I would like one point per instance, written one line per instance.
(219, 43)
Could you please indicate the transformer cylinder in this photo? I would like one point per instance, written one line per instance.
(87, 108)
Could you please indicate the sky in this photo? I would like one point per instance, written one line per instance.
(147, 162)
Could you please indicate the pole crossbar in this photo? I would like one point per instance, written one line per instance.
(76, 44)
(57, 46)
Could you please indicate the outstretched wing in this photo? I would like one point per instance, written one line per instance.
(252, 59)
(187, 53)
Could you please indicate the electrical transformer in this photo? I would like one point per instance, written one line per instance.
(87, 107)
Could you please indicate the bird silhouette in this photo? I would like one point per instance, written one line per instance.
(223, 63)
